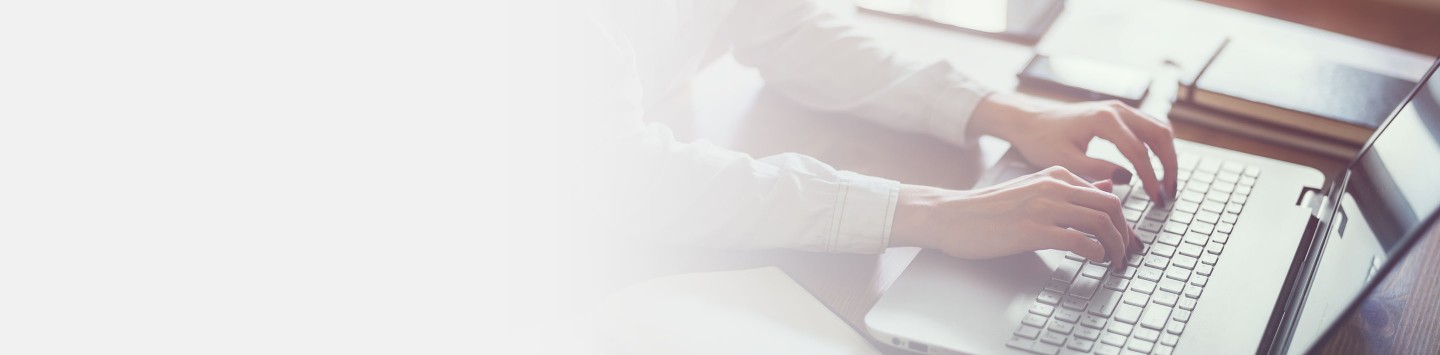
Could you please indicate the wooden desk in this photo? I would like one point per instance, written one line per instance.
(727, 104)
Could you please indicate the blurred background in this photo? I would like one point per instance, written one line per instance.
(1398, 23)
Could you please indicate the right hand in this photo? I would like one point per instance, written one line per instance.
(1051, 209)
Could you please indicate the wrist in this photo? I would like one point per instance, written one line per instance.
(1004, 115)
(914, 215)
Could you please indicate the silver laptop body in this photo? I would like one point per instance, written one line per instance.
(1275, 261)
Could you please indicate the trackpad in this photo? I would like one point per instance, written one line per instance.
(968, 305)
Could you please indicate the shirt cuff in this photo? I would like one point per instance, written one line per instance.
(864, 212)
(949, 115)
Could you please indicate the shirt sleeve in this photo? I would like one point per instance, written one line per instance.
(819, 60)
(643, 183)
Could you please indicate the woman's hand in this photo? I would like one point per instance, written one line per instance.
(1049, 134)
(1052, 209)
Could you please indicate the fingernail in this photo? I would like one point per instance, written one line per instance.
(1120, 177)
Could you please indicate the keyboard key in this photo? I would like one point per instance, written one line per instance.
(1196, 238)
(1062, 326)
(1187, 206)
(1241, 194)
(1190, 250)
(1199, 280)
(1150, 226)
(1182, 217)
(1170, 239)
(1212, 206)
(1202, 228)
(1084, 287)
(1057, 286)
(1147, 237)
(1113, 339)
(1208, 217)
(1042, 309)
(1209, 259)
(1215, 248)
(1020, 342)
(1142, 286)
(1028, 332)
(1092, 322)
(1149, 273)
(1172, 286)
(1175, 227)
(1251, 171)
(1136, 205)
(1229, 218)
(1049, 297)
(1217, 196)
(1120, 328)
(1081, 345)
(1074, 303)
(1066, 271)
(1131, 216)
(1127, 314)
(1053, 338)
(1163, 350)
(1116, 283)
(1155, 317)
(1192, 196)
(1067, 315)
(1044, 348)
(1179, 274)
(1182, 315)
(1192, 291)
(1156, 214)
(1169, 339)
(1223, 187)
(1168, 299)
(1146, 334)
(1184, 261)
(1162, 250)
(1141, 346)
(1104, 303)
(1225, 227)
(1107, 349)
(1247, 181)
(1208, 165)
(1234, 207)
(1187, 304)
(1135, 298)
(1034, 320)
(1175, 328)
(1204, 270)
(1087, 333)
(1093, 271)
(1220, 237)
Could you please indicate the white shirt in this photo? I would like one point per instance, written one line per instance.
(652, 186)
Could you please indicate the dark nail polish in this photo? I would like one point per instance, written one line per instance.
(1121, 177)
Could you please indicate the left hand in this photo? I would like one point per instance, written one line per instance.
(1058, 134)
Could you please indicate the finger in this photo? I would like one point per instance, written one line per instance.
(1112, 129)
(1095, 223)
(1105, 185)
(1161, 138)
(1068, 177)
(1099, 168)
(1111, 206)
(1072, 241)
(1097, 199)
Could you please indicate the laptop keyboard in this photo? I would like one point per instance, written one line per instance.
(1143, 308)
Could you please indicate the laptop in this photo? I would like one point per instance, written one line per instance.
(1254, 256)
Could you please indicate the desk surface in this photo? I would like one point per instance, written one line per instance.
(727, 104)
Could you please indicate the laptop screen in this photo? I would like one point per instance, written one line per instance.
(1393, 186)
